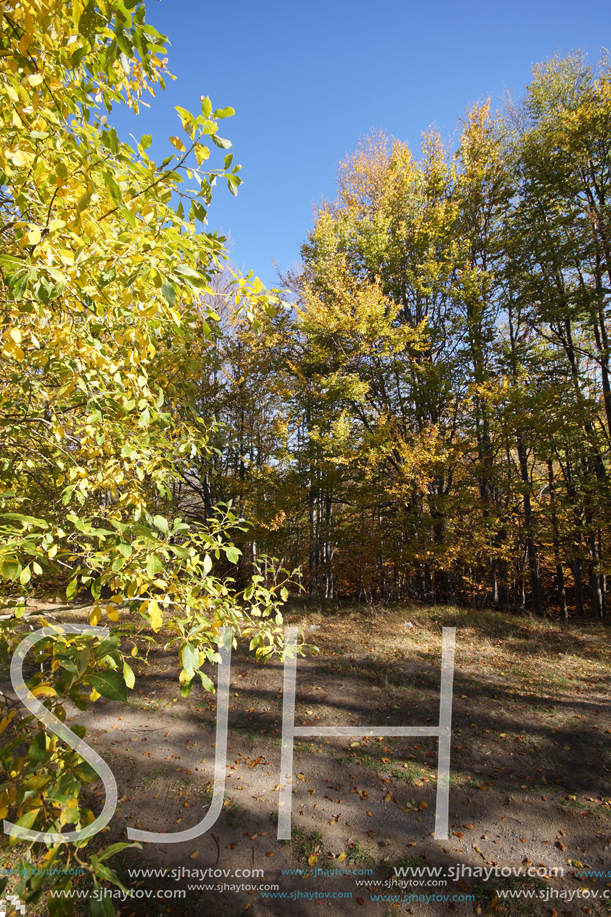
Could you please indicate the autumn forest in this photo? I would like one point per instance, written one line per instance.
(428, 416)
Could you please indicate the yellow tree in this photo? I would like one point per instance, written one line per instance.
(102, 277)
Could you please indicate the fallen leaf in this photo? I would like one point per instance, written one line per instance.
(361, 901)
(422, 805)
(342, 857)
(560, 845)
(194, 854)
(313, 860)
(270, 854)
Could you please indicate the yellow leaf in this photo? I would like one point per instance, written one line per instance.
(34, 235)
(21, 159)
(35, 79)
(3, 804)
(313, 860)
(94, 695)
(342, 857)
(95, 615)
(156, 615)
(15, 333)
(194, 854)
(45, 690)
(177, 142)
(113, 614)
(422, 805)
(6, 720)
(11, 349)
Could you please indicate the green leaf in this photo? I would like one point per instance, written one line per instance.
(110, 685)
(153, 565)
(145, 141)
(86, 773)
(168, 290)
(101, 907)
(233, 183)
(115, 191)
(162, 524)
(207, 683)
(25, 576)
(145, 418)
(199, 211)
(38, 748)
(223, 113)
(186, 687)
(63, 906)
(190, 659)
(30, 520)
(221, 142)
(116, 848)
(206, 106)
(129, 216)
(232, 553)
(84, 201)
(128, 675)
(26, 821)
(10, 570)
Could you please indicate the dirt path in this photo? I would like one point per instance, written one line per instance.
(530, 774)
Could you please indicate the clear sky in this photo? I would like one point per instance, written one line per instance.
(307, 78)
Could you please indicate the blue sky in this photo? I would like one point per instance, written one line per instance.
(307, 78)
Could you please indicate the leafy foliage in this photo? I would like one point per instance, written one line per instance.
(104, 268)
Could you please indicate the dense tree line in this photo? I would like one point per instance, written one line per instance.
(431, 417)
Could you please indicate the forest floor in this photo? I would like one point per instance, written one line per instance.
(530, 779)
